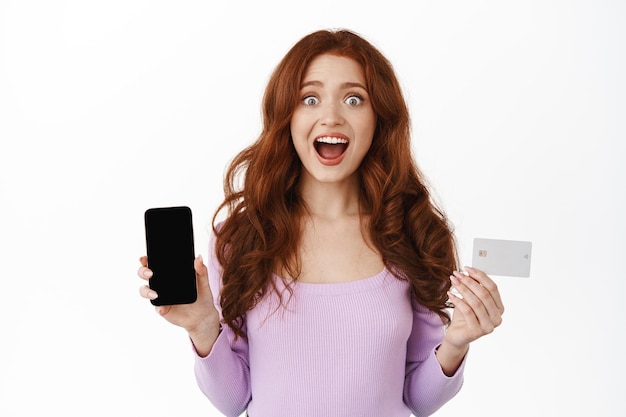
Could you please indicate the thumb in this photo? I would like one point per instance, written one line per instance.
(201, 269)
(202, 274)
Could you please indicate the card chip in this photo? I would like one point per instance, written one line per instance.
(482, 253)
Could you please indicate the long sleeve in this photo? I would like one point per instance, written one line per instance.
(354, 348)
(224, 374)
(426, 387)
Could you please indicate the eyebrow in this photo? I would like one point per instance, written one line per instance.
(343, 86)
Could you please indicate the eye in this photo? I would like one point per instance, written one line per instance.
(354, 100)
(310, 100)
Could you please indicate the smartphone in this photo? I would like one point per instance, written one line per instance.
(170, 251)
(502, 257)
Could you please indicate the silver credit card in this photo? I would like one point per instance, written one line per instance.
(502, 257)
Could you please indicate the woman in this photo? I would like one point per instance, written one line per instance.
(330, 277)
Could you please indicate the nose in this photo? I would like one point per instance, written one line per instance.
(331, 114)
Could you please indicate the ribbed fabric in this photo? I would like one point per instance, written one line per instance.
(359, 348)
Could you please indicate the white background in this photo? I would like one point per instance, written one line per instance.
(110, 107)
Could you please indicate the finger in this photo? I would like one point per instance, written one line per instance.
(478, 299)
(162, 310)
(202, 274)
(199, 266)
(463, 311)
(481, 292)
(143, 260)
(463, 285)
(484, 280)
(147, 292)
(144, 272)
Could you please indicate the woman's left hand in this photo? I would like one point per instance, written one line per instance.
(477, 311)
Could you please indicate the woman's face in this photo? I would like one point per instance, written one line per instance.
(333, 124)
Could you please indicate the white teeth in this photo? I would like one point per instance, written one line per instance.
(331, 140)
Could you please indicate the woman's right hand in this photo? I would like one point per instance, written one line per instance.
(200, 319)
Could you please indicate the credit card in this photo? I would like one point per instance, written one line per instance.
(502, 257)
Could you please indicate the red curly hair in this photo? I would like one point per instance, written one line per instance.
(261, 232)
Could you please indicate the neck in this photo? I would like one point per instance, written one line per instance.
(331, 200)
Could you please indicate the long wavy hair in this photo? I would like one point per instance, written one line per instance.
(261, 232)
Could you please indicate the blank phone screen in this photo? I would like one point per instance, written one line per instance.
(170, 250)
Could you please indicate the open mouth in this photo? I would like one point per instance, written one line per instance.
(331, 148)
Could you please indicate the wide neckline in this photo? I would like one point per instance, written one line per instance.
(337, 288)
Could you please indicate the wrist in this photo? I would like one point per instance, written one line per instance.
(451, 356)
(455, 349)
(206, 320)
(204, 335)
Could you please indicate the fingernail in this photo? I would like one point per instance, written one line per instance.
(455, 293)
(147, 273)
(454, 279)
(152, 295)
